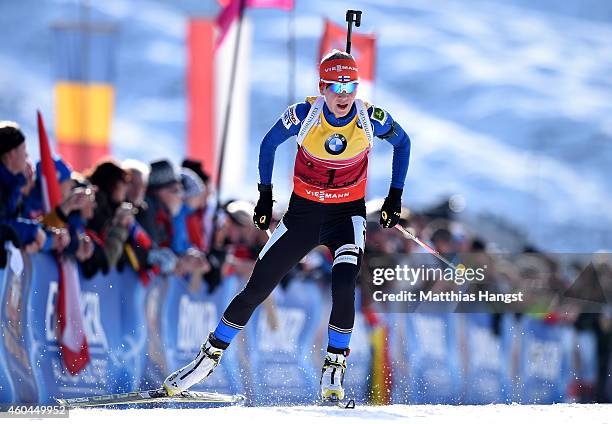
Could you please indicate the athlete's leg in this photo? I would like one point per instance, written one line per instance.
(345, 240)
(284, 249)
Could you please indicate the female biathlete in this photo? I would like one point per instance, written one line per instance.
(334, 132)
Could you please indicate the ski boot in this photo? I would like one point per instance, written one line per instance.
(332, 376)
(197, 370)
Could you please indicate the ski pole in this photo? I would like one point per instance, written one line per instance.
(269, 305)
(431, 250)
(352, 16)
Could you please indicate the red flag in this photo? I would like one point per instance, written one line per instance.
(71, 332)
(72, 339)
(363, 48)
(51, 192)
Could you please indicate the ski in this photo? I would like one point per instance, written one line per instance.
(349, 404)
(149, 396)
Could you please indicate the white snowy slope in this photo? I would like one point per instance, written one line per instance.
(413, 414)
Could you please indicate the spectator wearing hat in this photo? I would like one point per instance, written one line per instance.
(63, 172)
(191, 216)
(56, 221)
(199, 223)
(200, 226)
(113, 217)
(165, 202)
(13, 166)
(191, 259)
(196, 166)
(33, 203)
(164, 198)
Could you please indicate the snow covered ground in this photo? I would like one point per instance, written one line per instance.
(412, 414)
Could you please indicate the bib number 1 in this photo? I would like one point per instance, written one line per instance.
(332, 174)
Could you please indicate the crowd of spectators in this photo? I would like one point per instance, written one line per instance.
(156, 218)
(152, 217)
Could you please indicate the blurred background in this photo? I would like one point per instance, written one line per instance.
(509, 109)
(507, 103)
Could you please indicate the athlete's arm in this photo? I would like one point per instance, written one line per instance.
(386, 128)
(288, 125)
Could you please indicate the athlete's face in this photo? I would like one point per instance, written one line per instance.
(339, 104)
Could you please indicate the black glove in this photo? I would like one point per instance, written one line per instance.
(391, 208)
(263, 209)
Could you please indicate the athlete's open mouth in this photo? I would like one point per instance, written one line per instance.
(342, 106)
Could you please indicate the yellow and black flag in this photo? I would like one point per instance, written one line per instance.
(84, 91)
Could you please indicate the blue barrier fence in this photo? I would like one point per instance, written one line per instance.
(138, 335)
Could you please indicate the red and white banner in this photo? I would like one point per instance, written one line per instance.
(363, 49)
(71, 331)
(208, 90)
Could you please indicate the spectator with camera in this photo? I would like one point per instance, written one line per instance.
(138, 247)
(83, 202)
(113, 217)
(161, 220)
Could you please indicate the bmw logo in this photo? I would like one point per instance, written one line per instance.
(335, 144)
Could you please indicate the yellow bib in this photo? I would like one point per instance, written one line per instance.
(331, 164)
(328, 142)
